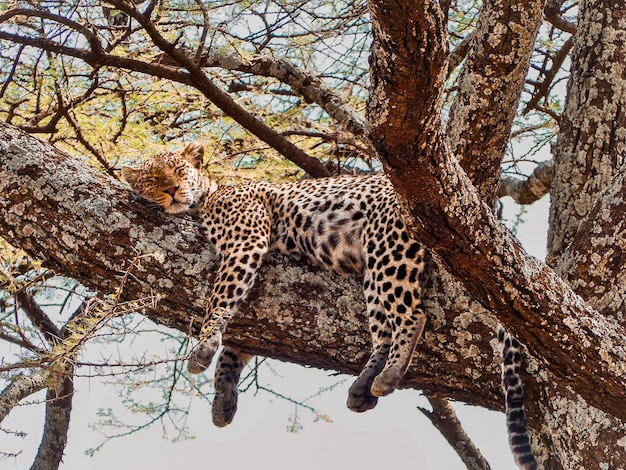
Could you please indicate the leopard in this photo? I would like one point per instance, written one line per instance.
(348, 224)
(512, 352)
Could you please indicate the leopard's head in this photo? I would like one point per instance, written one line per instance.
(174, 181)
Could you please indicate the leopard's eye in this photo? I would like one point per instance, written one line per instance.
(179, 171)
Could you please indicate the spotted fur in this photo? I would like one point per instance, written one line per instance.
(519, 437)
(348, 224)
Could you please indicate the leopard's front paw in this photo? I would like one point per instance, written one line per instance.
(360, 398)
(224, 407)
(386, 382)
(202, 355)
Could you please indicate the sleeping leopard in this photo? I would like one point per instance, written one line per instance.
(349, 224)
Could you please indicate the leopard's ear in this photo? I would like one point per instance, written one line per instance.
(130, 175)
(193, 153)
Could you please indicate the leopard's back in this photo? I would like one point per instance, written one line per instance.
(328, 220)
(331, 220)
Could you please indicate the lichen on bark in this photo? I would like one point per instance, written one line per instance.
(592, 142)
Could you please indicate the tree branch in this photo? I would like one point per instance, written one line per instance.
(296, 312)
(38, 317)
(528, 298)
(531, 189)
(57, 422)
(552, 13)
(222, 100)
(195, 77)
(19, 388)
(444, 418)
(490, 86)
(541, 90)
(459, 53)
(305, 84)
(83, 30)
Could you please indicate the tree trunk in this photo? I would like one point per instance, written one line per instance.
(88, 227)
(559, 330)
(592, 143)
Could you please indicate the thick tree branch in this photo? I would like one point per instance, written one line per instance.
(531, 189)
(444, 418)
(554, 322)
(458, 54)
(490, 85)
(296, 312)
(19, 388)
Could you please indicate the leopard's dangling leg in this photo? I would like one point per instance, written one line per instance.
(239, 263)
(398, 286)
(202, 355)
(360, 397)
(230, 363)
(400, 354)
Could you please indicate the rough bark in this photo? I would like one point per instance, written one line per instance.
(19, 388)
(88, 227)
(450, 218)
(489, 89)
(531, 189)
(591, 146)
(596, 253)
(57, 422)
(586, 219)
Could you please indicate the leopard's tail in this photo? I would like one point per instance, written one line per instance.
(519, 437)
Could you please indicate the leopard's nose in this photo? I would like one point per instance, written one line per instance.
(171, 190)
